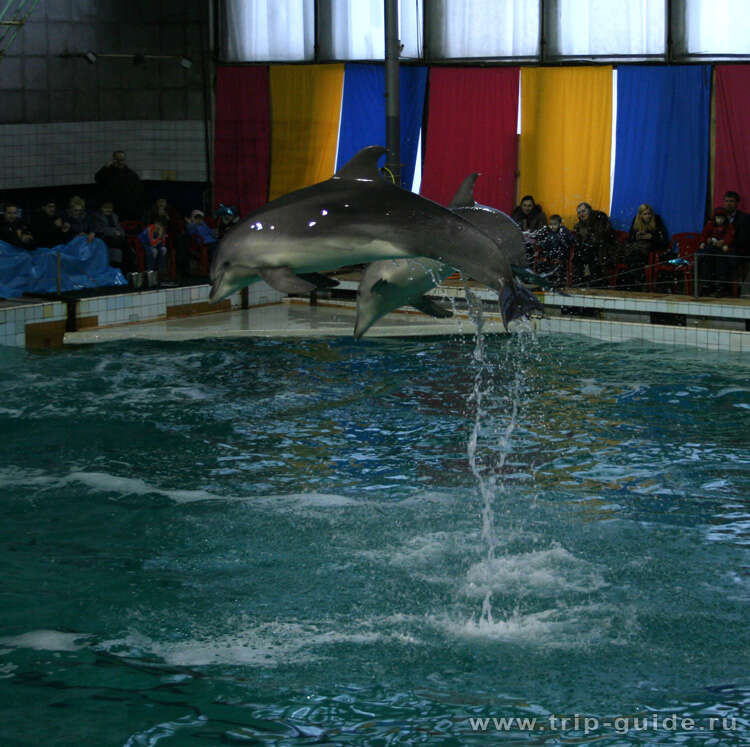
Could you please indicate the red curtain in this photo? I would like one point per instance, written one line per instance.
(471, 126)
(242, 145)
(732, 135)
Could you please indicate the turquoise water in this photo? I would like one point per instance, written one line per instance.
(329, 542)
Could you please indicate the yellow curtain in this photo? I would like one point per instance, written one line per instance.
(566, 138)
(305, 113)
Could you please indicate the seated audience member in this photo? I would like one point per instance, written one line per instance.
(13, 230)
(173, 218)
(153, 238)
(716, 257)
(554, 241)
(78, 218)
(529, 215)
(122, 185)
(596, 246)
(48, 227)
(226, 217)
(106, 225)
(196, 226)
(647, 234)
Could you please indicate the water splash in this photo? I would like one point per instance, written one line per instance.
(488, 469)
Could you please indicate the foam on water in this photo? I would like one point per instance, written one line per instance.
(270, 644)
(540, 573)
(47, 640)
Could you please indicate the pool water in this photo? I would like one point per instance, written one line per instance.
(375, 543)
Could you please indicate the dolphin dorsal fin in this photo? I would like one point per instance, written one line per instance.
(363, 165)
(465, 195)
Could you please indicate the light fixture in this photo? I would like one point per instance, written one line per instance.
(90, 57)
(186, 62)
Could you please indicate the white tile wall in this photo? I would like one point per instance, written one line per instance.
(13, 320)
(60, 153)
(708, 339)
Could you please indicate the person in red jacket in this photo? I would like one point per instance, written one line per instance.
(716, 256)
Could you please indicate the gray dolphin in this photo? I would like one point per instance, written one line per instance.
(389, 284)
(352, 218)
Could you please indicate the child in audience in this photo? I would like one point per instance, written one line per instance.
(555, 242)
(153, 238)
(716, 257)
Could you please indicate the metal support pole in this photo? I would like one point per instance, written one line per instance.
(696, 279)
(392, 104)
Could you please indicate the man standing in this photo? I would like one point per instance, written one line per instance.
(740, 221)
(122, 186)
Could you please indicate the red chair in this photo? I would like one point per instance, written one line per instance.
(622, 239)
(135, 246)
(200, 250)
(132, 227)
(684, 246)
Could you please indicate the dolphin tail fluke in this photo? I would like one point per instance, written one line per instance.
(427, 306)
(285, 281)
(517, 302)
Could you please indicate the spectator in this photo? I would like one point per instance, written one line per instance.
(13, 230)
(79, 220)
(153, 238)
(48, 227)
(596, 246)
(555, 242)
(122, 185)
(647, 234)
(529, 215)
(226, 217)
(716, 256)
(739, 221)
(197, 227)
(162, 209)
(106, 225)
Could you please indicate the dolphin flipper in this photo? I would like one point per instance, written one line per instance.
(427, 306)
(285, 281)
(320, 281)
(535, 278)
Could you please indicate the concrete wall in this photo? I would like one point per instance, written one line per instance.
(111, 99)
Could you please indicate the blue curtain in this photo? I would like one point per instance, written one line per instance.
(363, 113)
(661, 155)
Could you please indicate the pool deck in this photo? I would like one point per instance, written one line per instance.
(183, 313)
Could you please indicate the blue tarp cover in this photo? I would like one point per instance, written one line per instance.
(82, 265)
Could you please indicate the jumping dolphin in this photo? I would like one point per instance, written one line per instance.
(388, 284)
(354, 217)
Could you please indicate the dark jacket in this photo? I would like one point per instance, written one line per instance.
(535, 220)
(79, 224)
(106, 227)
(741, 223)
(46, 232)
(596, 231)
(123, 186)
(9, 232)
(659, 241)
